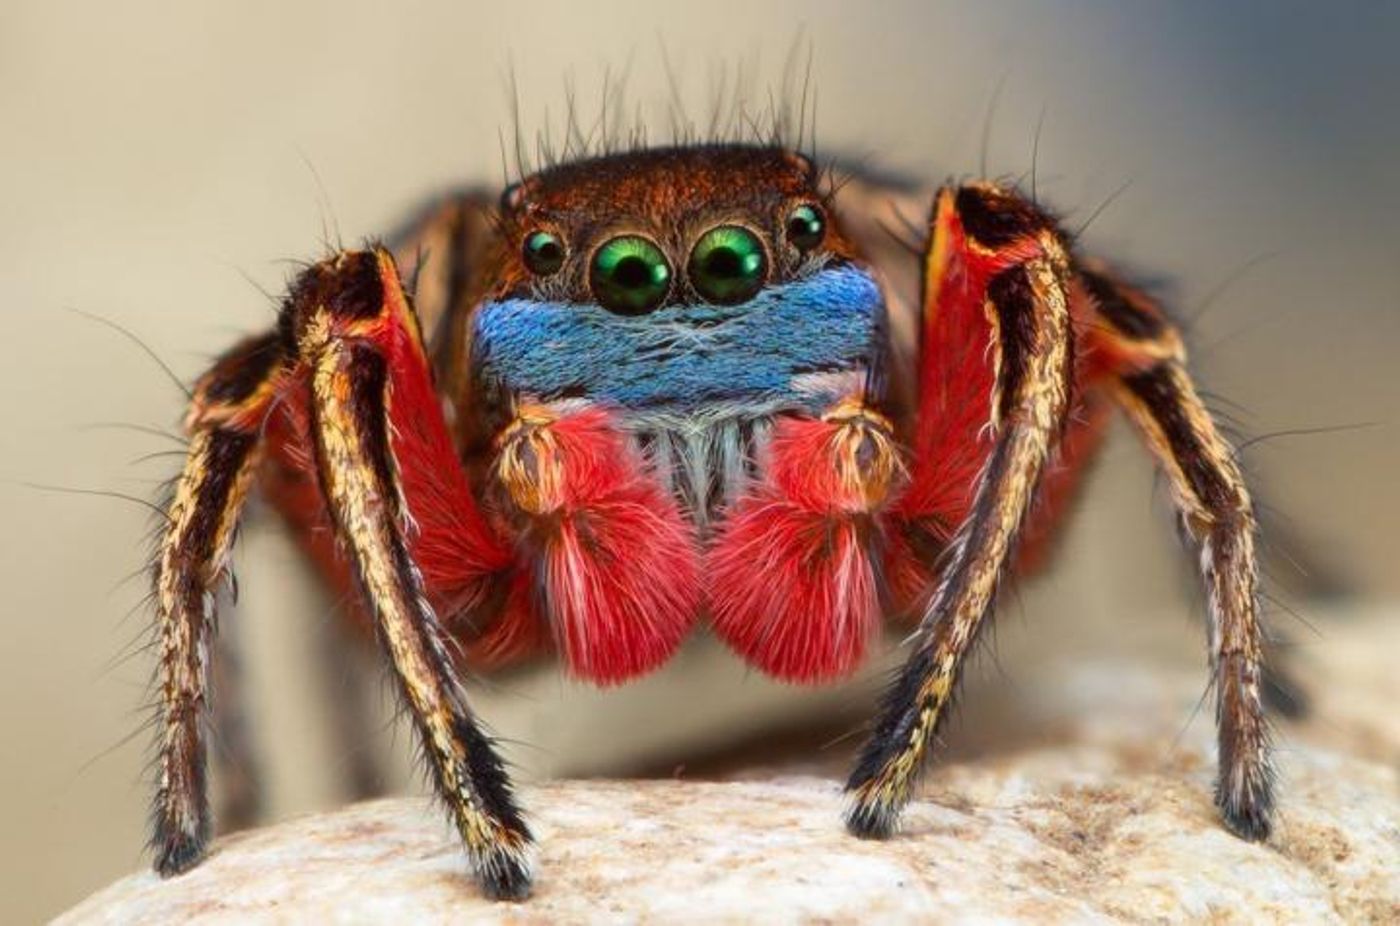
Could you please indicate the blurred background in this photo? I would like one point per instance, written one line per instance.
(160, 163)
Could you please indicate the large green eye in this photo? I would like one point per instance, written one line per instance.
(805, 227)
(728, 265)
(630, 275)
(543, 253)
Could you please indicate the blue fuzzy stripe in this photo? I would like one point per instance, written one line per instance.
(688, 356)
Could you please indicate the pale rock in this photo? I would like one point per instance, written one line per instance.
(1089, 833)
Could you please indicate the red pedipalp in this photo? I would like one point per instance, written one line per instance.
(609, 563)
(793, 574)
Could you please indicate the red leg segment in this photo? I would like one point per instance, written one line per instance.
(996, 375)
(347, 363)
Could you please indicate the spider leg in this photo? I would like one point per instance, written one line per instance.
(359, 344)
(1063, 481)
(193, 557)
(995, 386)
(348, 351)
(1151, 383)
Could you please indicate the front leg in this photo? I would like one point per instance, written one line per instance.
(359, 344)
(994, 395)
(345, 382)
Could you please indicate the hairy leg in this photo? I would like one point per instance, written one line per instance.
(1063, 481)
(994, 398)
(1151, 383)
(348, 354)
(368, 377)
(193, 557)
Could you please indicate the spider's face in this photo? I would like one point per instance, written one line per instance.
(681, 287)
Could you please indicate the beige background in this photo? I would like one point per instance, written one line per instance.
(160, 162)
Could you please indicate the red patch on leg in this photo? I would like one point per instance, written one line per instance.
(794, 587)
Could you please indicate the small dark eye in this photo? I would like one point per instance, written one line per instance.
(544, 253)
(629, 275)
(806, 227)
(728, 265)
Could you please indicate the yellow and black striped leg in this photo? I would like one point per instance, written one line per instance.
(1155, 390)
(346, 344)
(201, 516)
(1026, 305)
(346, 331)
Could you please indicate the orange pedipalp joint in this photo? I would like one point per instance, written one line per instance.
(527, 461)
(866, 461)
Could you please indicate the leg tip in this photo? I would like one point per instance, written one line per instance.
(1251, 822)
(870, 821)
(1246, 801)
(505, 876)
(177, 854)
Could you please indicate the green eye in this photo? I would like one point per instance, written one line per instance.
(805, 227)
(728, 265)
(544, 253)
(630, 275)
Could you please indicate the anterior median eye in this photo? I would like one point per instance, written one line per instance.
(728, 265)
(543, 253)
(629, 275)
(805, 227)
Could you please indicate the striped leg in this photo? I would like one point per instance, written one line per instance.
(203, 509)
(348, 352)
(1151, 383)
(368, 377)
(994, 397)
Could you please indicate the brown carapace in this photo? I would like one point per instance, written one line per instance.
(658, 389)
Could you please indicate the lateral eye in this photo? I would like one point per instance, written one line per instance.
(543, 253)
(728, 265)
(629, 275)
(806, 227)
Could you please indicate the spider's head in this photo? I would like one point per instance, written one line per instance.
(705, 281)
(632, 233)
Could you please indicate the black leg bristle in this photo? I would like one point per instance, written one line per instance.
(505, 876)
(177, 853)
(1250, 820)
(866, 821)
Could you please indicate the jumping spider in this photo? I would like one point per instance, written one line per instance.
(658, 388)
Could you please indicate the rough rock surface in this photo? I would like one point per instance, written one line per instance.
(1082, 834)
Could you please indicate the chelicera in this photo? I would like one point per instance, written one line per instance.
(652, 390)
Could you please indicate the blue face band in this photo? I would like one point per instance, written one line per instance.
(684, 358)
